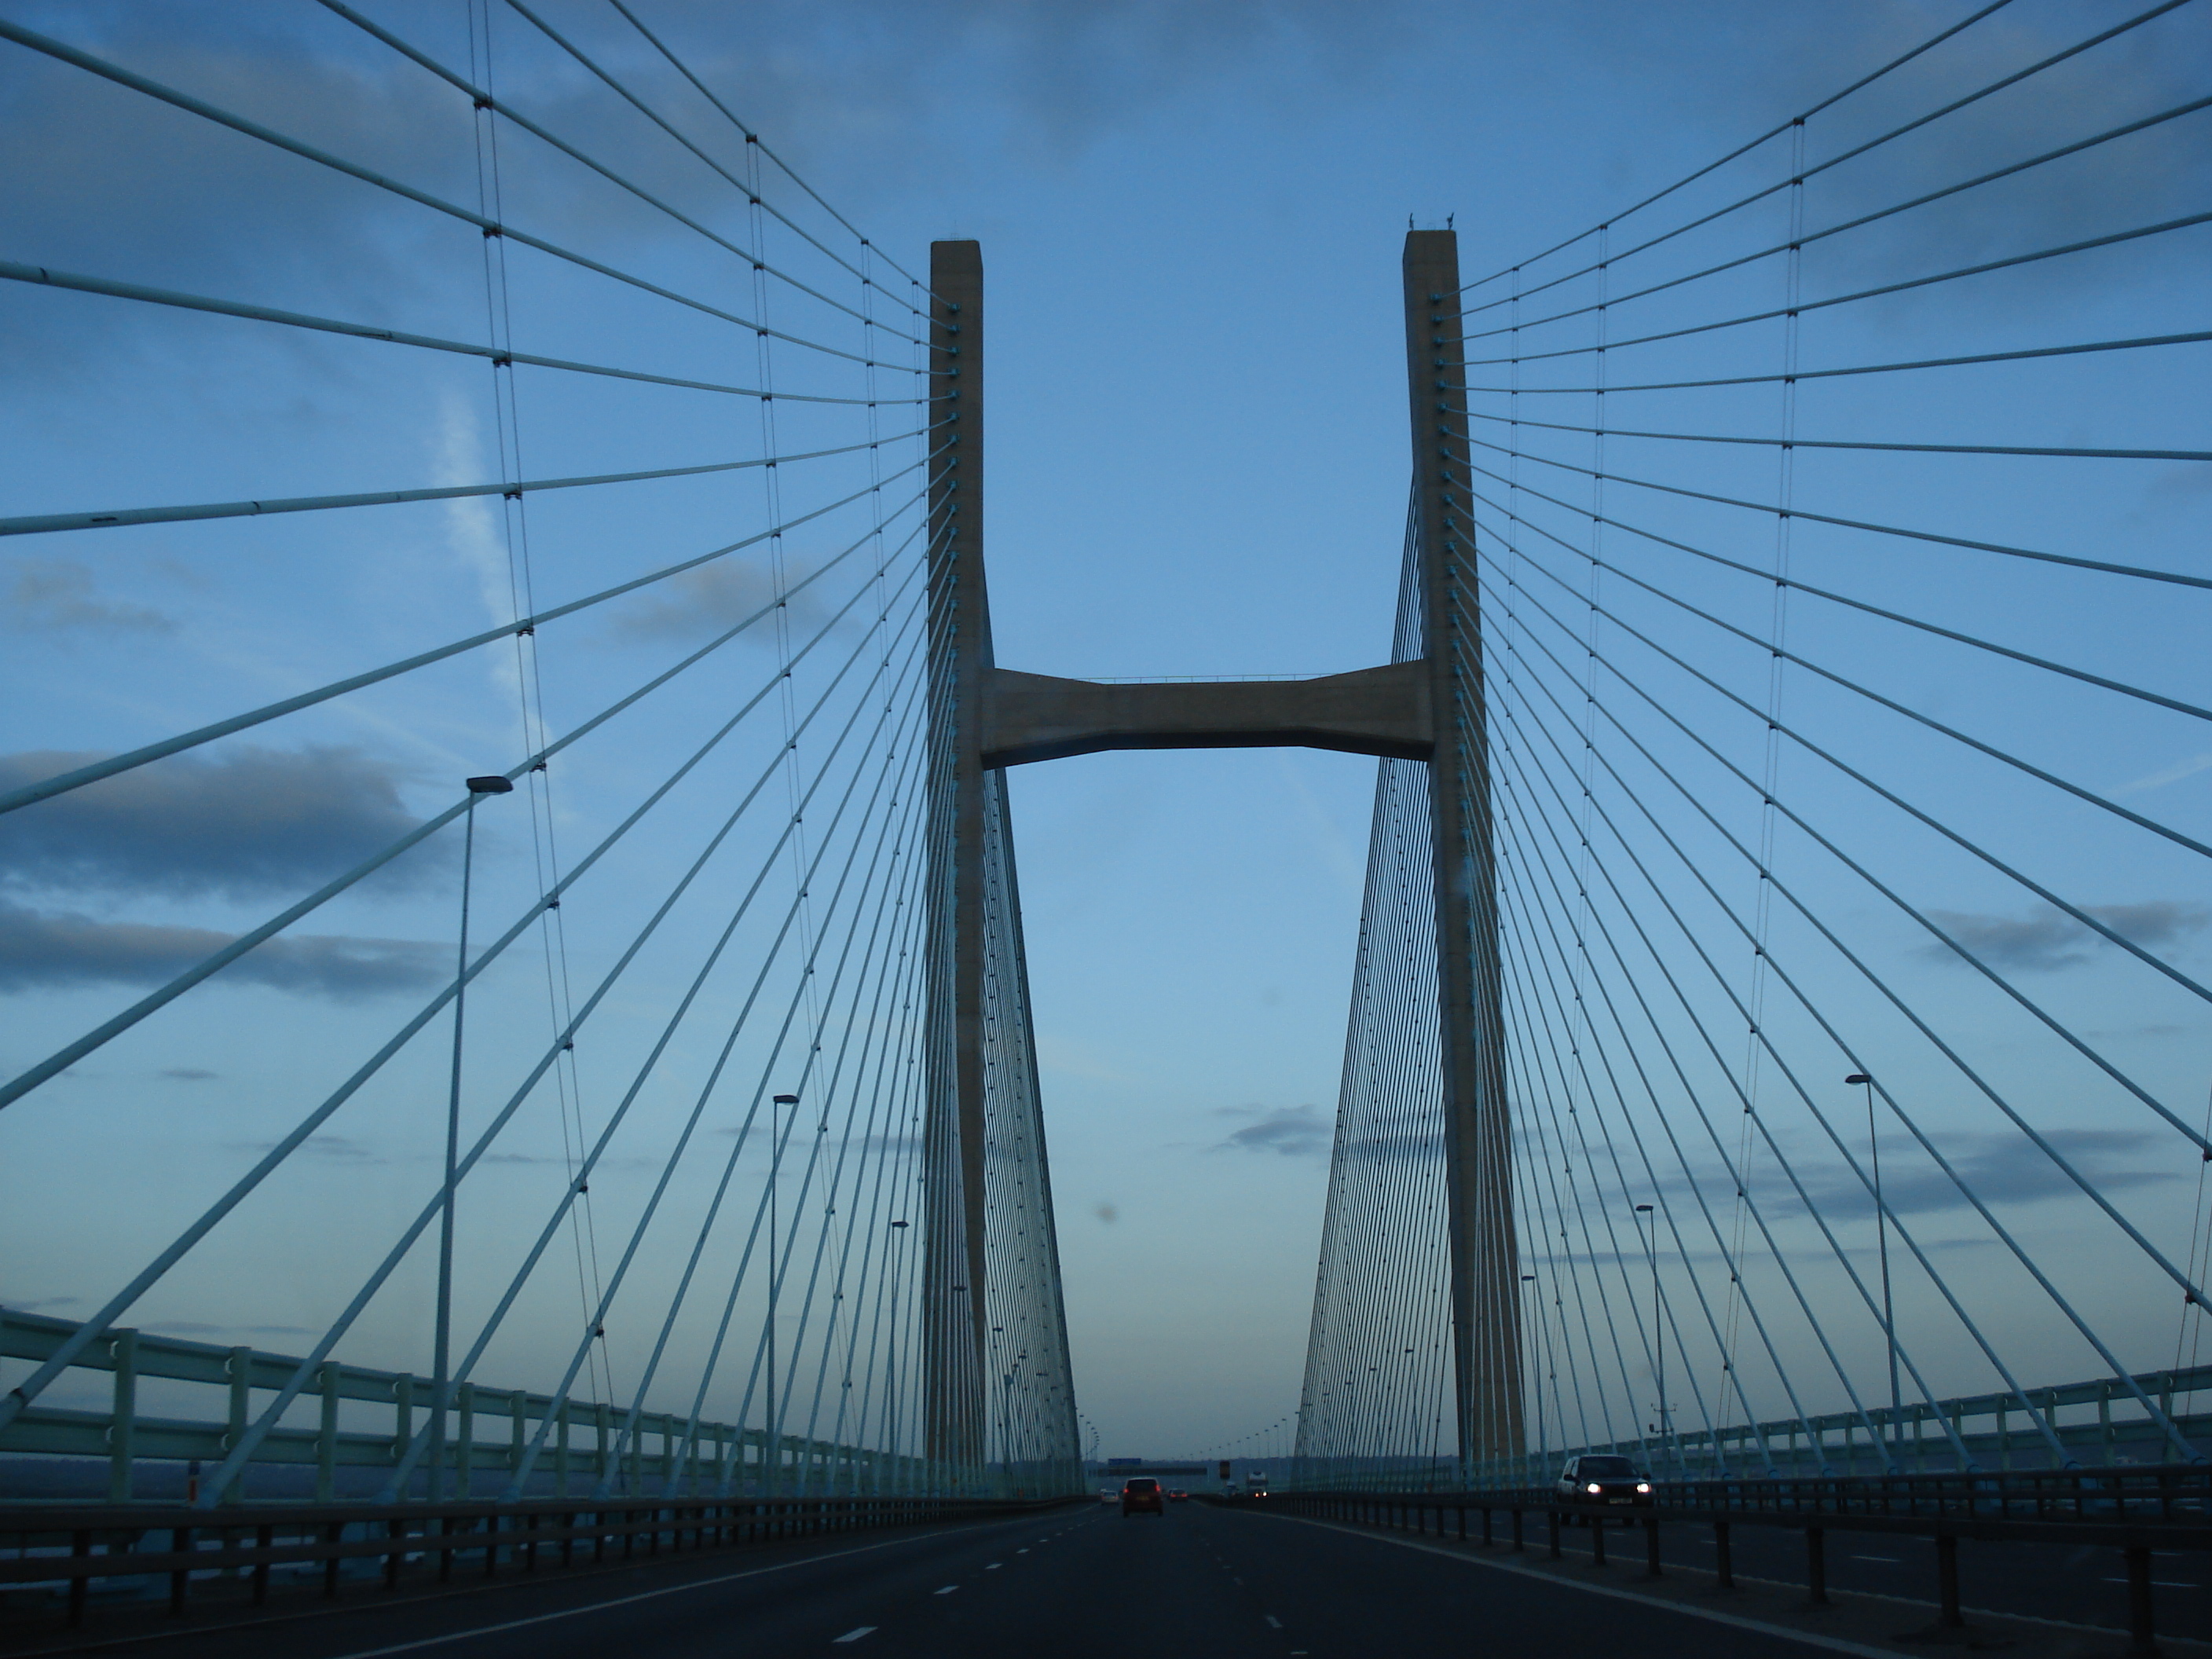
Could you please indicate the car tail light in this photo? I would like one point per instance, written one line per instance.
(1644, 1486)
(1595, 1489)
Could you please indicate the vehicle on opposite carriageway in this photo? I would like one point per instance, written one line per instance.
(1612, 1481)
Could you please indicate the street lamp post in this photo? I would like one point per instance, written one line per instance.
(1543, 1445)
(890, 1362)
(1658, 1323)
(442, 1340)
(1881, 1233)
(770, 1448)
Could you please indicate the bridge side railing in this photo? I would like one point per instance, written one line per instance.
(492, 1427)
(2099, 1421)
(2134, 1509)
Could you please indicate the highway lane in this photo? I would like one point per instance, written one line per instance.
(1080, 1582)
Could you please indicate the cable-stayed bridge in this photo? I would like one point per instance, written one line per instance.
(1776, 1052)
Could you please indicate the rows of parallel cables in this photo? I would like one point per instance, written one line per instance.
(653, 1140)
(1377, 1402)
(1838, 513)
(1029, 1393)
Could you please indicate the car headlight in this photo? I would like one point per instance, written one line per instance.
(1644, 1486)
(1594, 1489)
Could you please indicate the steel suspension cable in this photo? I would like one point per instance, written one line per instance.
(46, 275)
(46, 523)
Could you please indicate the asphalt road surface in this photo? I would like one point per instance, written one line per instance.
(1077, 1582)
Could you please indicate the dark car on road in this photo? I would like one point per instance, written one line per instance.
(1612, 1481)
(1142, 1495)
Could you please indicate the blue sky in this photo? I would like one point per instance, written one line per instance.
(1190, 219)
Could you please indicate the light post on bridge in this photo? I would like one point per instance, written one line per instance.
(1881, 1234)
(1543, 1445)
(1658, 1323)
(771, 1452)
(441, 1387)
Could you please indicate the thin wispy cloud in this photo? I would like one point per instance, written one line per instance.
(2163, 776)
(62, 596)
(1286, 1131)
(2047, 938)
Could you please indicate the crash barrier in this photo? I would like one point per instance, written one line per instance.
(2134, 1511)
(73, 1547)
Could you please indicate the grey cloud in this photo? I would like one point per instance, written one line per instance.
(61, 595)
(710, 600)
(338, 1149)
(247, 823)
(2004, 1169)
(47, 951)
(2047, 938)
(189, 1074)
(1288, 1131)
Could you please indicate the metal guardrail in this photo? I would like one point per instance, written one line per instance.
(73, 1547)
(2099, 1422)
(587, 1442)
(2133, 1510)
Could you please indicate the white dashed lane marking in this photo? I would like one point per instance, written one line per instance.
(947, 1590)
(1272, 1620)
(994, 1566)
(855, 1634)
